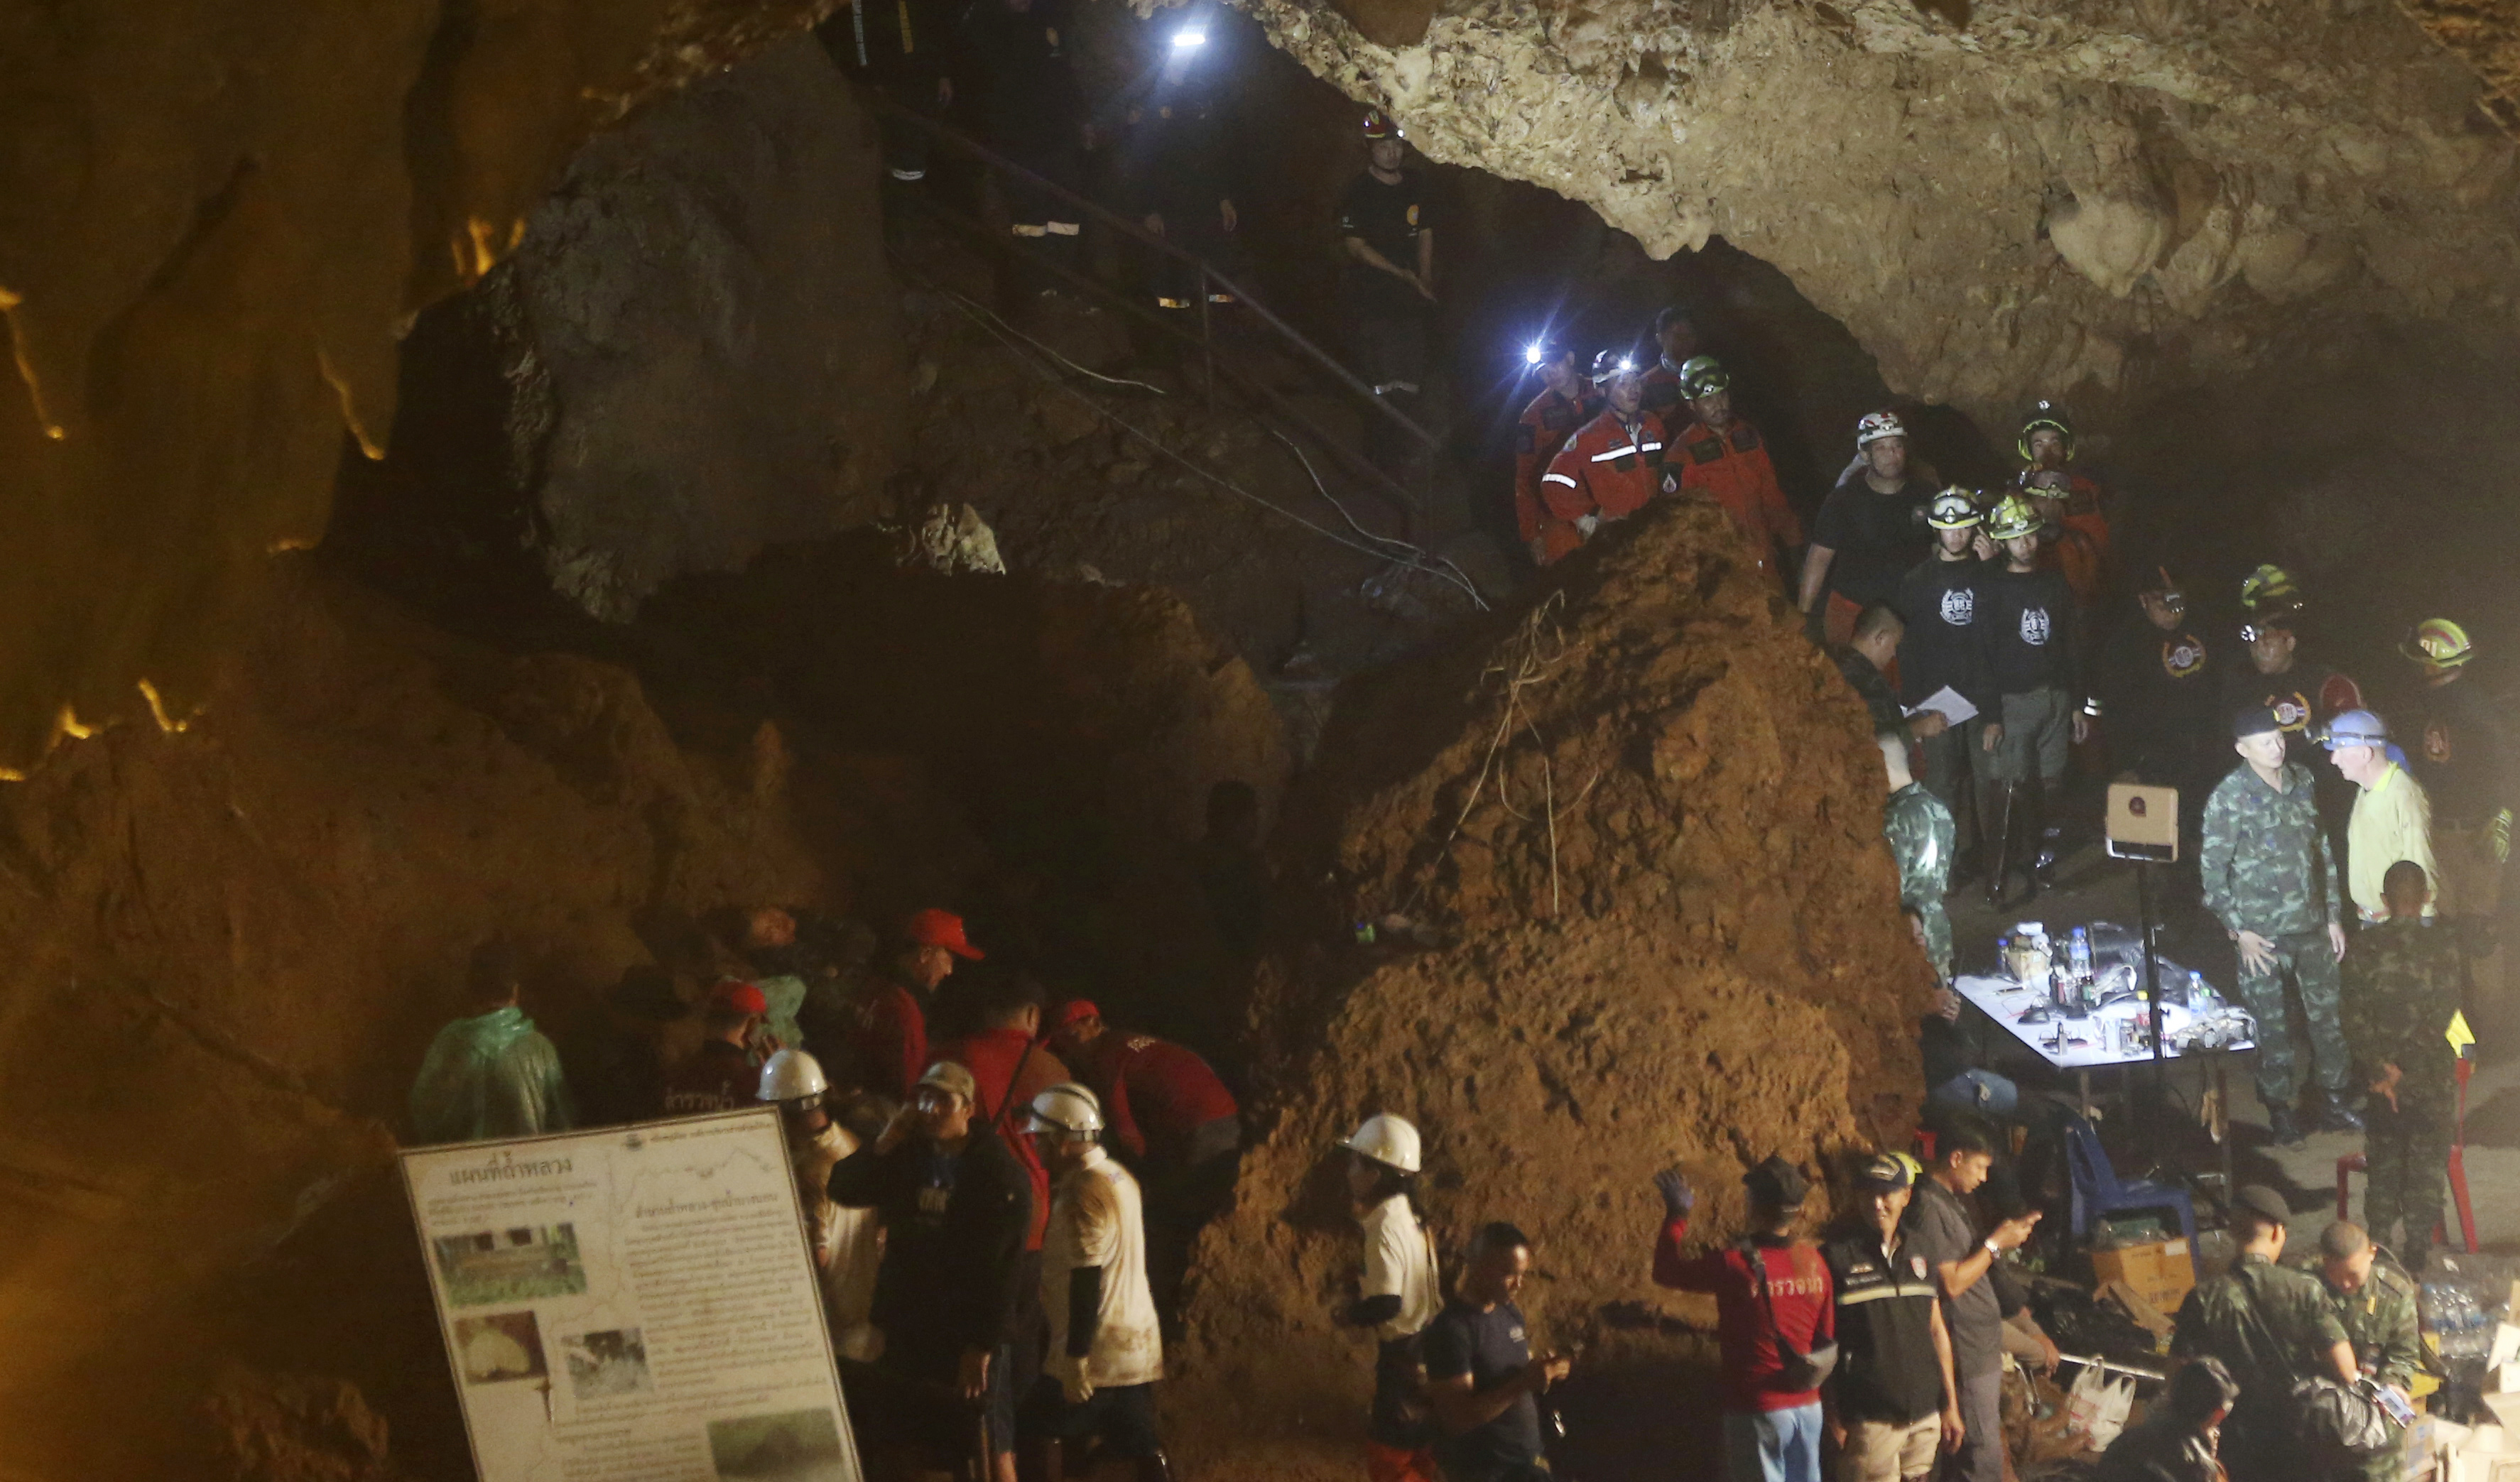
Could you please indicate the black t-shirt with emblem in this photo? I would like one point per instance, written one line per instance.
(1492, 1347)
(1877, 537)
(1942, 645)
(2294, 696)
(1388, 217)
(2029, 629)
(2158, 697)
(1886, 1368)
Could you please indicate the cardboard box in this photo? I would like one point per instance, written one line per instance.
(2162, 1273)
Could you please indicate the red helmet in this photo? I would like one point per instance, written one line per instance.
(1378, 125)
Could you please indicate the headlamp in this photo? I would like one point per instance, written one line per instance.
(1531, 353)
(1189, 38)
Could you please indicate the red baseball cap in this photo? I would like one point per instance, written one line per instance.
(1074, 1011)
(739, 996)
(932, 927)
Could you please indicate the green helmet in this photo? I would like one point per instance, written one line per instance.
(1954, 509)
(1703, 376)
(2045, 417)
(2270, 587)
(2013, 519)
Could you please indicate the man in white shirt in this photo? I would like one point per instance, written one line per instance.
(1105, 1346)
(848, 1243)
(1397, 1297)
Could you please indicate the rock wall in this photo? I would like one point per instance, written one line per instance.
(1999, 199)
(1640, 823)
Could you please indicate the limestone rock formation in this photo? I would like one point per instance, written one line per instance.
(2000, 198)
(1644, 818)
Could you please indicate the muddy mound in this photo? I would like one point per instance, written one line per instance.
(1635, 836)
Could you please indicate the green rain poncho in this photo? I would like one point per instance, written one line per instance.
(491, 1076)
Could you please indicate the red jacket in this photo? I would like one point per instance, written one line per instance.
(1731, 468)
(1546, 424)
(1154, 1093)
(1003, 1060)
(893, 1043)
(1605, 470)
(2078, 545)
(1797, 1282)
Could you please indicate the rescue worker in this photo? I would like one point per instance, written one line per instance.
(1387, 224)
(848, 1243)
(2402, 990)
(955, 1204)
(1943, 647)
(1032, 112)
(2459, 750)
(765, 938)
(1178, 172)
(1921, 838)
(490, 1073)
(1397, 1296)
(895, 48)
(2269, 591)
(1892, 1405)
(890, 1039)
(1942, 1228)
(2180, 1438)
(2158, 697)
(1770, 1291)
(2069, 505)
(2271, 880)
(2374, 1302)
(1171, 1117)
(2391, 819)
(1483, 1381)
(1613, 464)
(1723, 458)
(1106, 1350)
(2303, 693)
(1676, 340)
(1566, 401)
(2034, 668)
(1865, 662)
(2271, 1327)
(721, 1074)
(1869, 533)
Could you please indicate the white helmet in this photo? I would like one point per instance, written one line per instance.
(790, 1075)
(1066, 1108)
(1387, 1139)
(1876, 426)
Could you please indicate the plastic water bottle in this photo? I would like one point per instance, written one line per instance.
(2079, 953)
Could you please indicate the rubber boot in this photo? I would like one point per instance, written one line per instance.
(1998, 815)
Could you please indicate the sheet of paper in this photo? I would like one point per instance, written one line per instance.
(1947, 700)
(635, 1304)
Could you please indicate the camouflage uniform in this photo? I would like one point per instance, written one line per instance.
(1922, 838)
(2401, 985)
(2266, 868)
(2291, 1313)
(2380, 1321)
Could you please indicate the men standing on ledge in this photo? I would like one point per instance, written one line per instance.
(1722, 457)
(1945, 647)
(1613, 464)
(2069, 505)
(2033, 665)
(2270, 879)
(1566, 402)
(1385, 222)
(1871, 528)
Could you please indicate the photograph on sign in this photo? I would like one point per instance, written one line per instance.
(636, 1303)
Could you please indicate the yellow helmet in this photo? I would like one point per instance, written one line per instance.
(2438, 641)
(2013, 518)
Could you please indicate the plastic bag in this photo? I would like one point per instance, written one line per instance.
(2097, 1408)
(490, 1076)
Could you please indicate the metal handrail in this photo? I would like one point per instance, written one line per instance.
(1131, 229)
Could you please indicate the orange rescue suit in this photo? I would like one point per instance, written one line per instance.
(2078, 544)
(1543, 431)
(1731, 468)
(1605, 471)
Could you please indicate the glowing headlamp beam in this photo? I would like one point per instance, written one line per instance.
(1189, 38)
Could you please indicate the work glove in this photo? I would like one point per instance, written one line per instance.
(1677, 1198)
(2500, 834)
(1075, 1385)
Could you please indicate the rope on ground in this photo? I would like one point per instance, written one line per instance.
(1535, 653)
(1009, 336)
(1412, 557)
